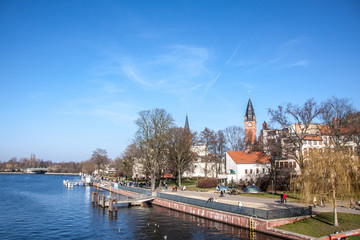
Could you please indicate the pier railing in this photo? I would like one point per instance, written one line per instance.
(135, 189)
(253, 212)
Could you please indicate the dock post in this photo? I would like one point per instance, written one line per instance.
(103, 201)
(98, 198)
(111, 206)
(115, 200)
(92, 197)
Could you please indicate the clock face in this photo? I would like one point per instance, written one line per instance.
(250, 124)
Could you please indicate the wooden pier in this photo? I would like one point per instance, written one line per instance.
(112, 203)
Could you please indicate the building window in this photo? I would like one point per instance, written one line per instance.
(277, 165)
(290, 164)
(257, 171)
(286, 164)
(245, 171)
(315, 142)
(281, 164)
(263, 170)
(250, 171)
(294, 165)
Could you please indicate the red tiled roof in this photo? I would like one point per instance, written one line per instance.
(241, 157)
(316, 138)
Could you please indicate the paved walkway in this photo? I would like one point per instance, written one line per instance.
(255, 202)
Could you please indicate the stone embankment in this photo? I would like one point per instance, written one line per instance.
(249, 222)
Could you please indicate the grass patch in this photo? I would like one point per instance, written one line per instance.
(321, 225)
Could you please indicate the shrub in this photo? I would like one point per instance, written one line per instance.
(208, 182)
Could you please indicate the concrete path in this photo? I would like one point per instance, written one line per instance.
(255, 202)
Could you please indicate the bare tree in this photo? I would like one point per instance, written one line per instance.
(331, 173)
(100, 159)
(235, 137)
(179, 151)
(293, 138)
(124, 164)
(208, 139)
(219, 150)
(151, 140)
(341, 123)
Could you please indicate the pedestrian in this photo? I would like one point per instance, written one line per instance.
(282, 197)
(314, 202)
(285, 200)
(211, 199)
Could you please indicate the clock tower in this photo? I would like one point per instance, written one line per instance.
(250, 124)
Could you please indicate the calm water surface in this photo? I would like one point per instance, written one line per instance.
(41, 207)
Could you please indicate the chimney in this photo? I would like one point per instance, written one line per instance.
(265, 126)
(298, 127)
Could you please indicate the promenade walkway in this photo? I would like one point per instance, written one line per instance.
(256, 202)
(251, 202)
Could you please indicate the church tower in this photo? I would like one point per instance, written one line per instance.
(250, 124)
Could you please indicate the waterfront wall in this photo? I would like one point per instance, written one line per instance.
(229, 218)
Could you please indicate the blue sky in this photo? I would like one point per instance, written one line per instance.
(75, 74)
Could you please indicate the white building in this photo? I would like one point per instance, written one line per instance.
(241, 165)
(202, 167)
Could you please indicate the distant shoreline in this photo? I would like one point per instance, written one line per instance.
(70, 174)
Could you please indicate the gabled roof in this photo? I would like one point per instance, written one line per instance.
(241, 157)
(313, 138)
(250, 113)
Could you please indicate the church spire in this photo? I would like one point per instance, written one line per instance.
(186, 127)
(250, 113)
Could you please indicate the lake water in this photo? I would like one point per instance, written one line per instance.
(41, 207)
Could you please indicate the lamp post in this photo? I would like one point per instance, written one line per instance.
(197, 184)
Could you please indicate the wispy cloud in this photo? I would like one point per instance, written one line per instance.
(287, 52)
(175, 69)
(300, 63)
(233, 54)
(113, 111)
(211, 83)
(132, 75)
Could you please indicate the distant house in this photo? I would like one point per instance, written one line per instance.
(241, 165)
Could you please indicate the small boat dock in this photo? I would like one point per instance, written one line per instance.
(70, 184)
(113, 204)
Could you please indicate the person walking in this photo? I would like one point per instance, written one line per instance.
(282, 197)
(285, 200)
(314, 202)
